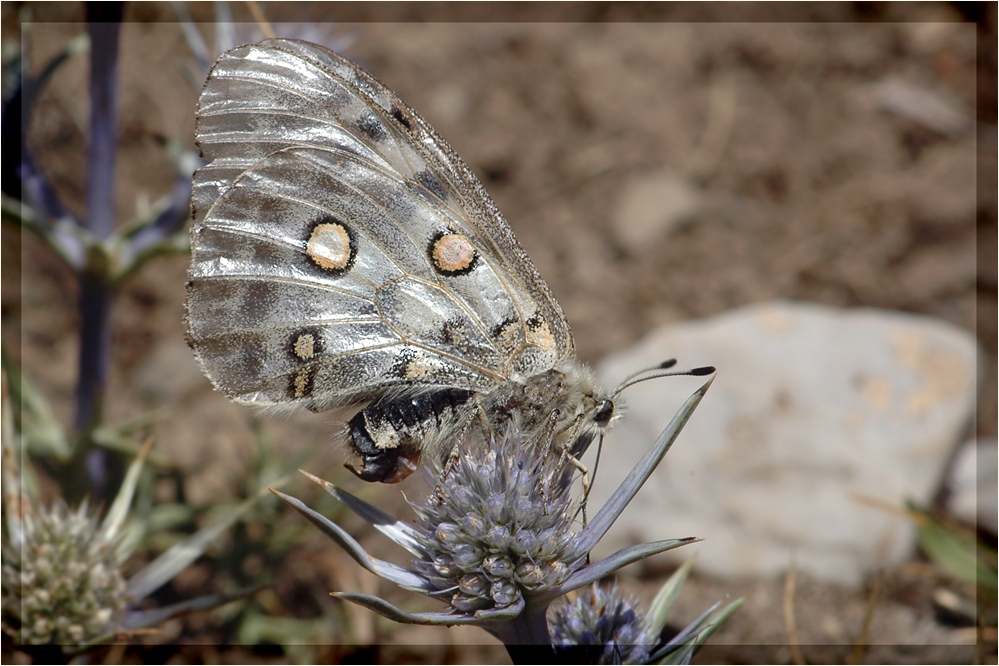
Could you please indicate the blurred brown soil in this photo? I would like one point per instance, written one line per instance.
(810, 180)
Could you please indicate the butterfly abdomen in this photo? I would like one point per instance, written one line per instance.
(390, 433)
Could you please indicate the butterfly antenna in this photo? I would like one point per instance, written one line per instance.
(638, 378)
(665, 365)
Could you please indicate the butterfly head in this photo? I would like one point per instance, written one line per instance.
(604, 412)
(587, 410)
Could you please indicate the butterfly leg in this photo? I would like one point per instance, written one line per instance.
(567, 456)
(584, 474)
(450, 462)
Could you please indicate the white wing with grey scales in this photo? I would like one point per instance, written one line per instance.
(341, 249)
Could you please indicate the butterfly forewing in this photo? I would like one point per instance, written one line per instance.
(341, 249)
(419, 154)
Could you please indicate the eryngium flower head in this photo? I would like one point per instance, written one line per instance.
(497, 540)
(63, 584)
(499, 527)
(606, 620)
(61, 577)
(603, 626)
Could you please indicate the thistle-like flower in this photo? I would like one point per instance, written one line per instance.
(605, 623)
(498, 529)
(605, 626)
(498, 541)
(62, 580)
(63, 585)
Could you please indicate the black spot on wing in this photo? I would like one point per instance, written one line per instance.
(327, 270)
(402, 117)
(371, 126)
(452, 332)
(503, 328)
(508, 334)
(302, 382)
(464, 264)
(430, 183)
(305, 343)
(400, 365)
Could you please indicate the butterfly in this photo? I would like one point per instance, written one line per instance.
(343, 256)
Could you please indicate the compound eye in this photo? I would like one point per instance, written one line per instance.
(604, 412)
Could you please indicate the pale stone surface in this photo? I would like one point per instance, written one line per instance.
(973, 484)
(817, 416)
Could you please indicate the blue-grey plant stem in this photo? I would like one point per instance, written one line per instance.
(527, 638)
(35, 188)
(96, 292)
(104, 27)
(169, 221)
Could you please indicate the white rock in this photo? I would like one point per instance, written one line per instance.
(973, 484)
(817, 414)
